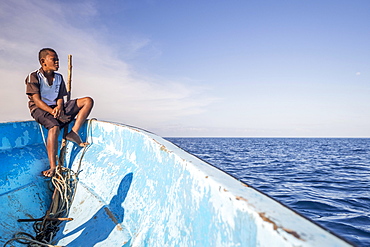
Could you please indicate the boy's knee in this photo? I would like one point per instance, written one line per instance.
(85, 102)
(54, 130)
(90, 101)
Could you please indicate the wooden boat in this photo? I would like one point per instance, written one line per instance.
(134, 188)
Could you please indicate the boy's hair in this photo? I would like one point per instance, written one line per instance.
(44, 52)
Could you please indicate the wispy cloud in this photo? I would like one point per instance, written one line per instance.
(120, 93)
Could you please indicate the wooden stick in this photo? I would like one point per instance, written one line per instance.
(46, 219)
(69, 93)
(69, 80)
(56, 196)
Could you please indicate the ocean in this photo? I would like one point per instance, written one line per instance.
(324, 179)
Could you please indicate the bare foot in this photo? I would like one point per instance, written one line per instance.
(74, 137)
(49, 173)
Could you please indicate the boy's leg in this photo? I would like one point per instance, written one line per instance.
(49, 122)
(52, 149)
(84, 105)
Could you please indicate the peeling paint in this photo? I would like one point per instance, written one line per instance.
(5, 143)
(241, 198)
(295, 234)
(163, 148)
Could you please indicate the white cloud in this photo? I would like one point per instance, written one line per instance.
(120, 94)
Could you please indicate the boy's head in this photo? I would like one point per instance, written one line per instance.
(48, 59)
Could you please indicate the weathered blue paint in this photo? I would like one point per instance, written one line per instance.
(24, 192)
(137, 189)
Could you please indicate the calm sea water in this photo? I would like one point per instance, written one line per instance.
(325, 179)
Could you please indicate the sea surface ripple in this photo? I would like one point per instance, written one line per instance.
(325, 179)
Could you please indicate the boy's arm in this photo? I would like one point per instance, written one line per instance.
(41, 104)
(57, 112)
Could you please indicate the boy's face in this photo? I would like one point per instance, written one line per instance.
(50, 62)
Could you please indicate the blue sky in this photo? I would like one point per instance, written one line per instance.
(201, 68)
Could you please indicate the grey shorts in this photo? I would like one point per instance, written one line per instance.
(48, 121)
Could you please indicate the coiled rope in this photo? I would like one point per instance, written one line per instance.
(65, 184)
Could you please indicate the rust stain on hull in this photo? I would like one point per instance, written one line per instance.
(275, 226)
(241, 198)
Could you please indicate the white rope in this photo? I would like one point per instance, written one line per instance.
(64, 181)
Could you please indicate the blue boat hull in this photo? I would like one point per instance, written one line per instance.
(137, 189)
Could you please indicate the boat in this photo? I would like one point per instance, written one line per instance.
(130, 187)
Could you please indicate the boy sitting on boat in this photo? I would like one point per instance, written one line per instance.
(45, 89)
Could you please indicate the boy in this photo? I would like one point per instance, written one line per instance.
(45, 89)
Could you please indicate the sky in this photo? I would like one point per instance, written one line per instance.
(271, 68)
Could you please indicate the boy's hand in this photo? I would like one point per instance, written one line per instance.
(57, 112)
(64, 118)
